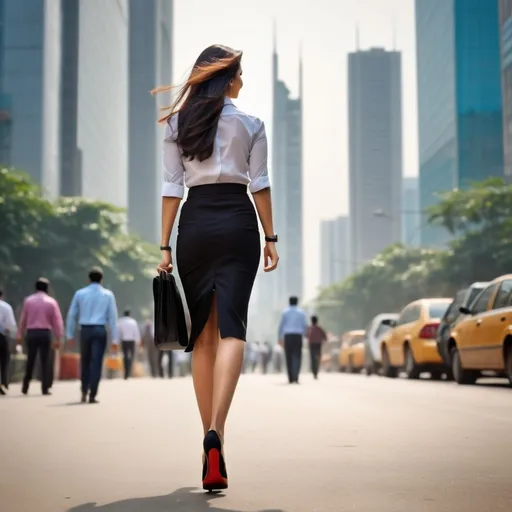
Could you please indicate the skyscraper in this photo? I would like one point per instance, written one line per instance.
(94, 99)
(273, 290)
(29, 87)
(375, 150)
(150, 66)
(287, 184)
(335, 251)
(506, 66)
(459, 98)
(411, 216)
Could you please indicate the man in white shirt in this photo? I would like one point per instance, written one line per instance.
(129, 336)
(7, 326)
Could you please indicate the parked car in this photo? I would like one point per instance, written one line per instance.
(330, 356)
(411, 344)
(375, 331)
(463, 298)
(482, 339)
(351, 355)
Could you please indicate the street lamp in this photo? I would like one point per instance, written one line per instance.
(381, 213)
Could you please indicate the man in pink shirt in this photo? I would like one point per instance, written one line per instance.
(40, 318)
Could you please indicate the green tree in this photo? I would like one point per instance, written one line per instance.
(481, 219)
(62, 240)
(396, 276)
(22, 211)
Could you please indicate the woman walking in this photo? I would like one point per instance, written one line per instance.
(216, 150)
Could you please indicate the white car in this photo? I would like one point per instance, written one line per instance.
(377, 328)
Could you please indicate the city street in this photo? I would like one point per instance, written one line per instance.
(342, 443)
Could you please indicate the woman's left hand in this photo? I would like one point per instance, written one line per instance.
(270, 253)
(166, 264)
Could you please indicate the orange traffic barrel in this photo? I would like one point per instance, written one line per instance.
(69, 366)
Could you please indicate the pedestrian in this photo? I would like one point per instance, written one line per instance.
(316, 338)
(218, 150)
(148, 342)
(40, 319)
(7, 328)
(93, 307)
(129, 335)
(170, 363)
(292, 328)
(277, 355)
(266, 356)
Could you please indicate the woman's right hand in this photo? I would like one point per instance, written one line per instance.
(166, 264)
(270, 257)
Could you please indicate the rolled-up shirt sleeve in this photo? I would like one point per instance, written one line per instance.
(173, 163)
(258, 157)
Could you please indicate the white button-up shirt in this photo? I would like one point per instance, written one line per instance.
(239, 155)
(128, 329)
(7, 320)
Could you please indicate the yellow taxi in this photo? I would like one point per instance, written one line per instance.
(352, 352)
(482, 340)
(411, 344)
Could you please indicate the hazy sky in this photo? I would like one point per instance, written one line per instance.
(326, 29)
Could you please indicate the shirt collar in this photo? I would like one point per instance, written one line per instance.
(228, 101)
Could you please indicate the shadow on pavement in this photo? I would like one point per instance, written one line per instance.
(67, 404)
(187, 499)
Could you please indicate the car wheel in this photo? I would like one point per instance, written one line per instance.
(411, 368)
(387, 369)
(461, 375)
(508, 364)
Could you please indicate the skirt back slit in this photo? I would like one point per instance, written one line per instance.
(218, 251)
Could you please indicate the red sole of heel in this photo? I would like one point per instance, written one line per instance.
(214, 481)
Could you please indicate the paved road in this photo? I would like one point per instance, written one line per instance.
(343, 443)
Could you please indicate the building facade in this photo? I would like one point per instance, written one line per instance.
(411, 217)
(460, 115)
(150, 66)
(30, 89)
(287, 185)
(506, 81)
(64, 95)
(335, 253)
(273, 290)
(95, 100)
(375, 151)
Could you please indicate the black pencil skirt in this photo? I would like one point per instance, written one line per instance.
(218, 251)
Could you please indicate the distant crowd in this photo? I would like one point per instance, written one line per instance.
(41, 335)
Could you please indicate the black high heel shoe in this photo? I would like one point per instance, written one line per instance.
(215, 477)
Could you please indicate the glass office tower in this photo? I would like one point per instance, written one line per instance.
(459, 96)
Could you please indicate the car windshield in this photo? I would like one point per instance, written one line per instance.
(437, 309)
(383, 329)
(357, 339)
(472, 294)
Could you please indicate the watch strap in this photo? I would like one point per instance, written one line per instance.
(273, 238)
(165, 248)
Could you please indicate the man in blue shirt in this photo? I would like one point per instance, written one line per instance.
(292, 328)
(93, 307)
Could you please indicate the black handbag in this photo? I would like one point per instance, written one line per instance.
(170, 325)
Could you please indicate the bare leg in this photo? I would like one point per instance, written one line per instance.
(228, 365)
(203, 361)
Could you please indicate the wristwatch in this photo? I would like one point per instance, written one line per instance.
(165, 248)
(273, 238)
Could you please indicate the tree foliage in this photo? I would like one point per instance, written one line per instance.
(480, 218)
(62, 240)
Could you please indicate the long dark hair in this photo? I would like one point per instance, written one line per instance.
(200, 100)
